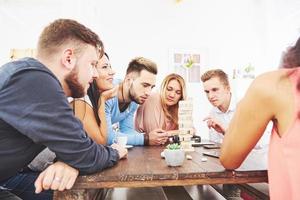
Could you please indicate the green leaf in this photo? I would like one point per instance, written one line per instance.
(173, 146)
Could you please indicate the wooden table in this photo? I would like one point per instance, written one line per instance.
(144, 167)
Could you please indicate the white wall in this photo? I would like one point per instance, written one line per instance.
(228, 34)
(283, 22)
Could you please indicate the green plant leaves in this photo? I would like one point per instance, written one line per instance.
(173, 146)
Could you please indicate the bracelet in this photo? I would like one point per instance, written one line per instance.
(146, 139)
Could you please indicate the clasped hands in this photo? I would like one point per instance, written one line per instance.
(158, 137)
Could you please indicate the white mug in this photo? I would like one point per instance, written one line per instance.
(121, 140)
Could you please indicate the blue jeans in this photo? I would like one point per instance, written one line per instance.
(22, 185)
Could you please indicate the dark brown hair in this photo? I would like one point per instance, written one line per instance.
(62, 31)
(291, 58)
(94, 95)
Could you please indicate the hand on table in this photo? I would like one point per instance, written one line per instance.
(58, 176)
(121, 150)
(158, 137)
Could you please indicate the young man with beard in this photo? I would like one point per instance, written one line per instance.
(134, 90)
(217, 89)
(35, 113)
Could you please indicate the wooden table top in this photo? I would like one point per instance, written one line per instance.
(144, 167)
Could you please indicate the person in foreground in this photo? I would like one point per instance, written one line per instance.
(273, 96)
(161, 109)
(135, 89)
(91, 114)
(35, 113)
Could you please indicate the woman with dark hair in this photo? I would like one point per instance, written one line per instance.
(91, 109)
(273, 96)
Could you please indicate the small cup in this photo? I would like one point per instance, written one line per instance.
(121, 140)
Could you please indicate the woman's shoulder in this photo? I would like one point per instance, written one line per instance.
(268, 85)
(154, 96)
(153, 100)
(271, 80)
(82, 100)
(278, 74)
(152, 103)
(269, 76)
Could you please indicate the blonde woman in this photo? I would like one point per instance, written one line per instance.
(161, 109)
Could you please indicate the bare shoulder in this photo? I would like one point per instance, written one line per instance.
(80, 108)
(268, 78)
(80, 103)
(268, 84)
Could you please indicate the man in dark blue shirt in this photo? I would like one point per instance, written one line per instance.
(34, 111)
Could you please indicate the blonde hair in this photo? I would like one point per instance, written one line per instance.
(171, 112)
(223, 77)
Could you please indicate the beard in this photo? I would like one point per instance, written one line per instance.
(76, 89)
(133, 96)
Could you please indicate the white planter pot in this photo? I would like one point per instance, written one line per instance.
(174, 157)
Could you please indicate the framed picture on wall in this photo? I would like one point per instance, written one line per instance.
(186, 63)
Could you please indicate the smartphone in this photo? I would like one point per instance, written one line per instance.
(196, 145)
(199, 144)
(212, 146)
(212, 154)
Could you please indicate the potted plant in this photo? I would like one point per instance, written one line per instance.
(174, 155)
